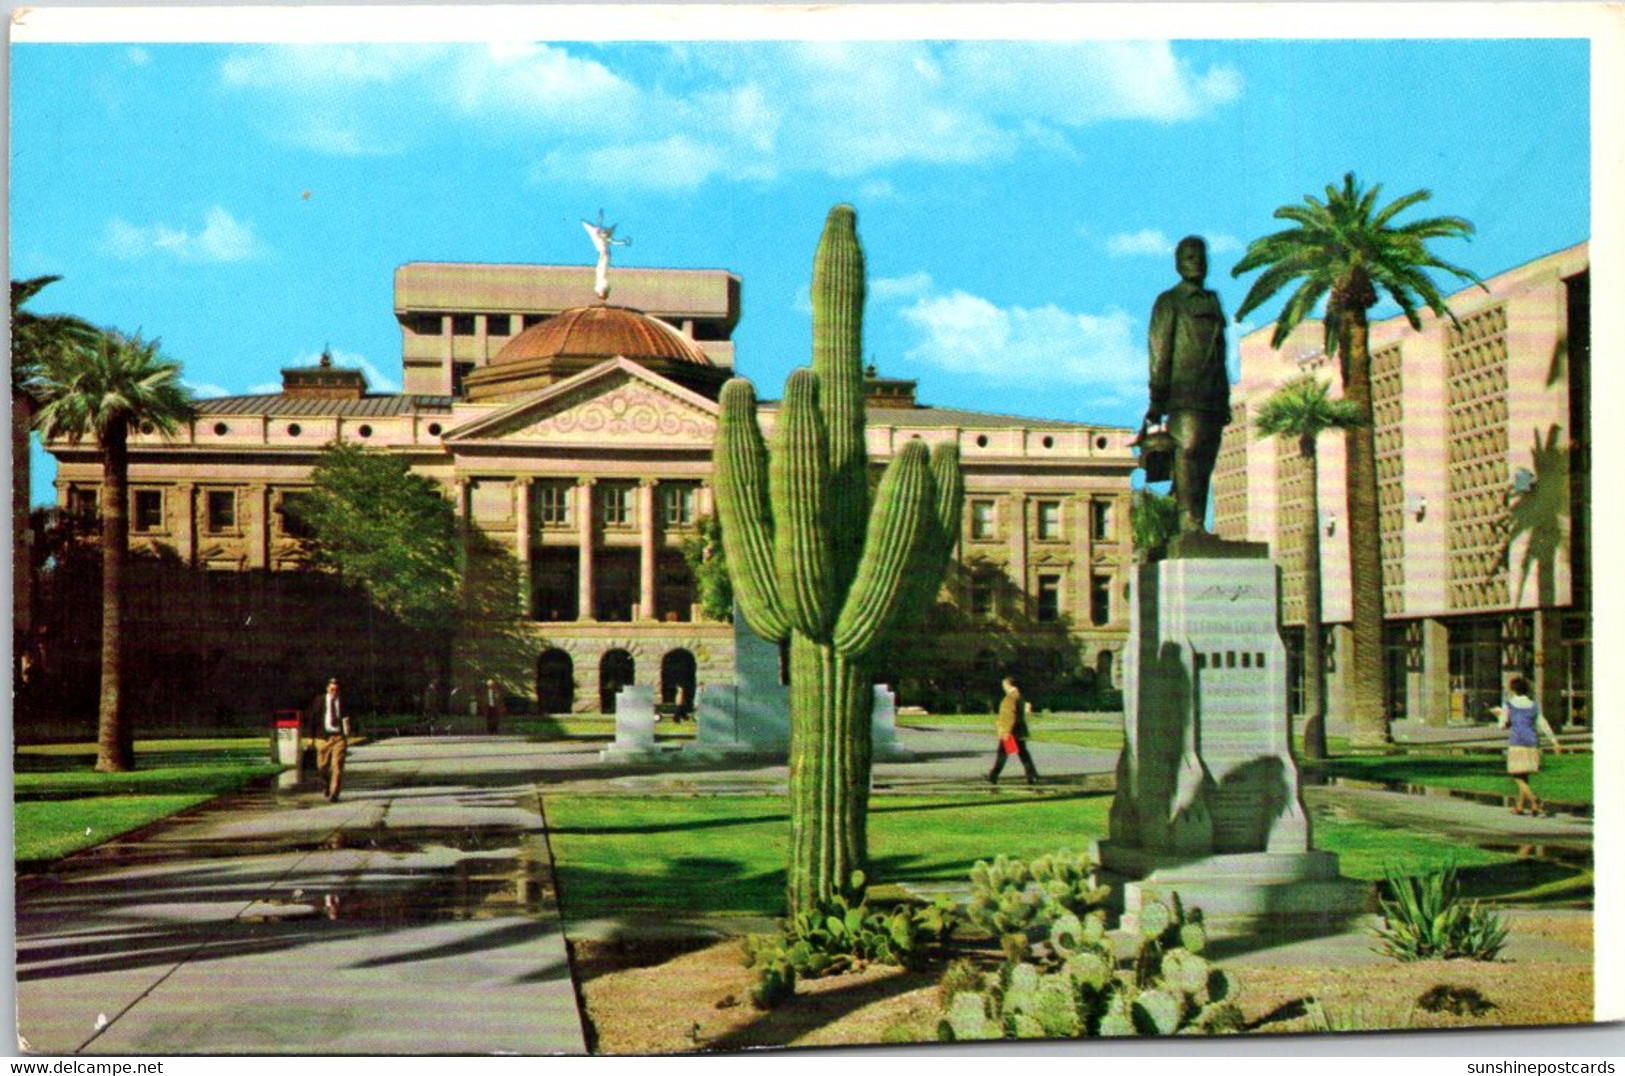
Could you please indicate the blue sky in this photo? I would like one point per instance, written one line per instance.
(1018, 201)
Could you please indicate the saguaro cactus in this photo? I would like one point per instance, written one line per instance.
(813, 564)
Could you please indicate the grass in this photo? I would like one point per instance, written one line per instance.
(707, 855)
(590, 726)
(726, 854)
(1565, 778)
(63, 805)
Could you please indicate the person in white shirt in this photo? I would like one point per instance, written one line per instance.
(328, 709)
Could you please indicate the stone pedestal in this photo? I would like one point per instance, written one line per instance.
(634, 727)
(887, 748)
(750, 716)
(1207, 800)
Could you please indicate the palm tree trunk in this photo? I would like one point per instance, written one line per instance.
(1369, 716)
(1314, 649)
(115, 746)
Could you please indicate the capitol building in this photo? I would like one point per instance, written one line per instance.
(573, 436)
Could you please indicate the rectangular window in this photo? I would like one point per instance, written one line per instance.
(222, 510)
(424, 324)
(981, 595)
(981, 519)
(295, 515)
(534, 319)
(553, 504)
(149, 510)
(497, 325)
(1049, 520)
(462, 324)
(617, 505)
(679, 501)
(1049, 598)
(83, 502)
(1100, 600)
(1100, 518)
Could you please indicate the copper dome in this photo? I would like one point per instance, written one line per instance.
(601, 332)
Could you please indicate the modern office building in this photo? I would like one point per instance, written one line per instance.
(1483, 472)
(574, 437)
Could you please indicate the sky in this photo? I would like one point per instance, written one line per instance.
(1018, 201)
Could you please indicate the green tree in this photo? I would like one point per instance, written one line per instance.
(708, 561)
(1345, 250)
(813, 564)
(36, 337)
(101, 389)
(392, 534)
(1154, 518)
(1304, 409)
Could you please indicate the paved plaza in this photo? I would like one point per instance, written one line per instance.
(418, 914)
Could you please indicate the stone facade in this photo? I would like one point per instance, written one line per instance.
(577, 494)
(1483, 475)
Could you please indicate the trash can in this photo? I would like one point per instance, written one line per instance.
(285, 738)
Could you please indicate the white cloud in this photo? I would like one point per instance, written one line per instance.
(680, 115)
(223, 238)
(968, 334)
(1153, 241)
(877, 189)
(911, 286)
(138, 56)
(265, 388)
(205, 390)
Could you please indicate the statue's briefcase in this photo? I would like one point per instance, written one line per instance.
(1156, 454)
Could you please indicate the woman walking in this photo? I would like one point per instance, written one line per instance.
(1521, 716)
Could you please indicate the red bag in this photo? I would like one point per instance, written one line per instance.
(1010, 746)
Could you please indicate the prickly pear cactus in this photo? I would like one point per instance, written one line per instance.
(812, 563)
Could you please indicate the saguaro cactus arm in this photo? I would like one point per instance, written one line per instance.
(798, 479)
(904, 511)
(837, 302)
(741, 468)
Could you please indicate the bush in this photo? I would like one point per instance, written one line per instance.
(840, 935)
(1070, 987)
(1427, 919)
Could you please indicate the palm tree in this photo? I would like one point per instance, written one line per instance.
(33, 336)
(1343, 250)
(1303, 409)
(101, 391)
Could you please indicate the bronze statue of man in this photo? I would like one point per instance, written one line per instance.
(1189, 383)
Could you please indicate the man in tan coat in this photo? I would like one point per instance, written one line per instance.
(1011, 726)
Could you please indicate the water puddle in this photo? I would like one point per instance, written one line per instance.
(1492, 799)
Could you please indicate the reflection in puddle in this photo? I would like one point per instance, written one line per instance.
(518, 883)
(1493, 799)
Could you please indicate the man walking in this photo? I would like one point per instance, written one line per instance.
(328, 709)
(1012, 729)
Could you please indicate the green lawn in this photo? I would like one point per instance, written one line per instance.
(711, 854)
(63, 805)
(1039, 731)
(1564, 778)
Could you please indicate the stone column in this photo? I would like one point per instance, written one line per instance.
(524, 492)
(1018, 552)
(1432, 705)
(259, 541)
(1549, 671)
(584, 512)
(185, 515)
(703, 503)
(1340, 681)
(648, 490)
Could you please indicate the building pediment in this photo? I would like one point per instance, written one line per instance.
(615, 404)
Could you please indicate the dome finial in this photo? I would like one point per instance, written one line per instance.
(603, 237)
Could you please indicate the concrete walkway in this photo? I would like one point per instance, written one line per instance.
(417, 915)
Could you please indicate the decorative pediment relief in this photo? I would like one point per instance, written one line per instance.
(606, 407)
(631, 411)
